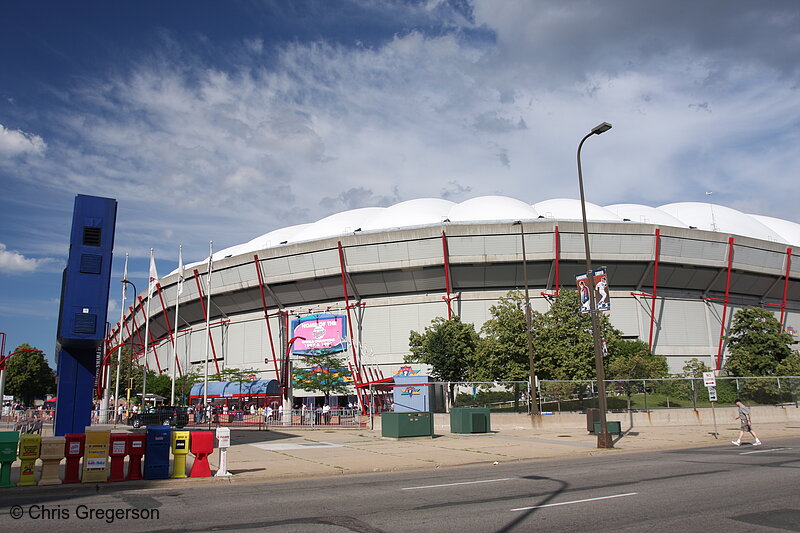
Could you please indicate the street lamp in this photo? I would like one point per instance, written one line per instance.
(534, 405)
(603, 438)
(144, 367)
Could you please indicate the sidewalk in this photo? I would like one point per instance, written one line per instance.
(279, 454)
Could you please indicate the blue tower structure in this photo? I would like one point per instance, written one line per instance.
(84, 303)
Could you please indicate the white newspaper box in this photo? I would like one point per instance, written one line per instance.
(223, 443)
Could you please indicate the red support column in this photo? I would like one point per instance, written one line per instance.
(782, 305)
(210, 336)
(266, 314)
(138, 333)
(654, 294)
(725, 302)
(557, 246)
(447, 298)
(786, 284)
(343, 268)
(169, 329)
(152, 340)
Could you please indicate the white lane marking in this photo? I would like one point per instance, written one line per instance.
(764, 451)
(461, 483)
(284, 446)
(574, 501)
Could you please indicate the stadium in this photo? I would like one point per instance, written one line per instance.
(677, 274)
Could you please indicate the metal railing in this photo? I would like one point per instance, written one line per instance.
(668, 393)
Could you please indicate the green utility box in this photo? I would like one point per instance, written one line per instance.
(470, 420)
(399, 425)
(8, 454)
(614, 428)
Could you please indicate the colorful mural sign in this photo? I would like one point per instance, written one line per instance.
(305, 376)
(406, 370)
(409, 391)
(319, 332)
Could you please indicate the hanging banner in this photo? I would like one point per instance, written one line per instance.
(319, 332)
(602, 297)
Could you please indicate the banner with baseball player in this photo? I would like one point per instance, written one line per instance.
(602, 297)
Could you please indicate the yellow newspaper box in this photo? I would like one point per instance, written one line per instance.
(95, 458)
(180, 448)
(51, 456)
(28, 453)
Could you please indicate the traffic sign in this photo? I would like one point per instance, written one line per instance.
(709, 379)
(712, 394)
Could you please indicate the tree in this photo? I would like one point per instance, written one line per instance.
(694, 369)
(757, 343)
(28, 375)
(503, 349)
(448, 347)
(632, 361)
(563, 347)
(326, 373)
(790, 366)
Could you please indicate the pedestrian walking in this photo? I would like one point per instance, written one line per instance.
(744, 422)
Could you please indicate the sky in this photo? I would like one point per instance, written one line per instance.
(225, 120)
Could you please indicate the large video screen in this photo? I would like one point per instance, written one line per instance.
(319, 332)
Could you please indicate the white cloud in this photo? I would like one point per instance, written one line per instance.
(14, 262)
(231, 153)
(16, 142)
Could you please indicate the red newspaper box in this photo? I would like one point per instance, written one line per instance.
(118, 449)
(73, 451)
(136, 449)
(201, 445)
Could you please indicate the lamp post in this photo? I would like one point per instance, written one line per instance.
(603, 438)
(144, 367)
(532, 401)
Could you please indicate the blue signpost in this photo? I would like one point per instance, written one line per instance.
(82, 317)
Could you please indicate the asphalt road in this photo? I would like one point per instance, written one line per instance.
(719, 488)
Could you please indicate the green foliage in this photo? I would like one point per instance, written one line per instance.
(686, 389)
(28, 376)
(326, 373)
(790, 366)
(757, 343)
(447, 346)
(160, 384)
(183, 386)
(562, 339)
(503, 347)
(632, 359)
(694, 368)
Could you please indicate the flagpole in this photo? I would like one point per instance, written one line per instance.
(150, 285)
(208, 321)
(121, 325)
(175, 337)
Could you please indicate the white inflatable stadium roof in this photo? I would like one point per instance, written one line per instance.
(433, 211)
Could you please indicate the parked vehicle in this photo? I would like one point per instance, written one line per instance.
(177, 416)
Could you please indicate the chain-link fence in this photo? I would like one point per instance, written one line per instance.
(499, 396)
(668, 393)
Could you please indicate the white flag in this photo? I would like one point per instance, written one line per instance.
(153, 274)
(210, 266)
(180, 270)
(125, 279)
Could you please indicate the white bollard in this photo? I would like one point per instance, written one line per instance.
(223, 442)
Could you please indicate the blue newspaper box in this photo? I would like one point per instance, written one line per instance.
(156, 459)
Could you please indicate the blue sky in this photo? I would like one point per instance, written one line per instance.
(222, 121)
